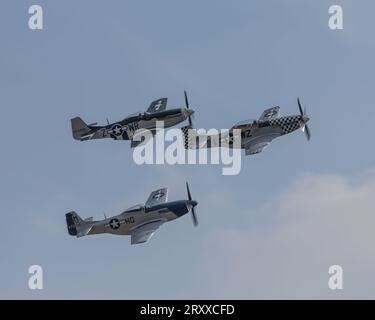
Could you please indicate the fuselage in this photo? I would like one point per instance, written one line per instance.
(125, 129)
(275, 127)
(123, 223)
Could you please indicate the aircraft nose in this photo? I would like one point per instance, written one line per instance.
(187, 112)
(305, 119)
(194, 203)
(190, 112)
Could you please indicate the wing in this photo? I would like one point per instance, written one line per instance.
(270, 114)
(144, 232)
(157, 196)
(158, 105)
(257, 145)
(255, 149)
(140, 138)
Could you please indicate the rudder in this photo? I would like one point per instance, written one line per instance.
(79, 128)
(77, 226)
(73, 221)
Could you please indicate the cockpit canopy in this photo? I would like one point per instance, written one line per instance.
(135, 114)
(134, 208)
(246, 122)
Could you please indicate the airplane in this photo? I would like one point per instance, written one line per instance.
(139, 221)
(255, 134)
(127, 128)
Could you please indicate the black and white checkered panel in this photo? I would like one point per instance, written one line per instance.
(287, 124)
(188, 141)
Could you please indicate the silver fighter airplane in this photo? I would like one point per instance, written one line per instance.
(255, 134)
(140, 221)
(133, 124)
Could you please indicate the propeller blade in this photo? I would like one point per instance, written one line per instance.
(307, 132)
(190, 122)
(186, 100)
(188, 191)
(300, 107)
(304, 120)
(195, 220)
(187, 107)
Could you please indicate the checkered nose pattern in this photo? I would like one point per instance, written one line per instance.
(287, 124)
(187, 140)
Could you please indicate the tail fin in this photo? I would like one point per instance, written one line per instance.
(77, 226)
(79, 128)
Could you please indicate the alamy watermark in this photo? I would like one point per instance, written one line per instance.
(200, 147)
(36, 279)
(36, 18)
(336, 19)
(336, 280)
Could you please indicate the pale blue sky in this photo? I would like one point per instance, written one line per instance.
(102, 59)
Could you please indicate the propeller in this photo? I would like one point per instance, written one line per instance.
(187, 107)
(304, 120)
(194, 203)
